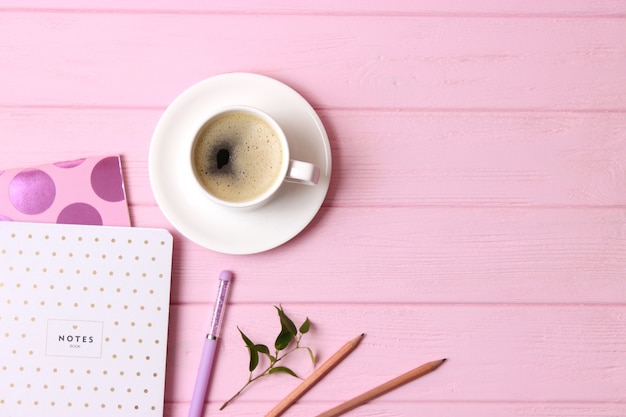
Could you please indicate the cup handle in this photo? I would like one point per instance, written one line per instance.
(300, 172)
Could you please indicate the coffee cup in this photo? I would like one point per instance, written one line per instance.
(240, 158)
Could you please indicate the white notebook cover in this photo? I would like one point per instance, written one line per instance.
(84, 314)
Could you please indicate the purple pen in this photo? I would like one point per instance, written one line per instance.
(208, 351)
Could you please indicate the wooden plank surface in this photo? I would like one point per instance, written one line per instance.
(476, 209)
(564, 361)
(545, 159)
(431, 255)
(434, 409)
(578, 8)
(433, 63)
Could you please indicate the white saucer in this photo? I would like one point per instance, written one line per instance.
(210, 225)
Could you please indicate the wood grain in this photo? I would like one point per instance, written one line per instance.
(476, 210)
(435, 63)
(454, 7)
(454, 255)
(534, 353)
(382, 389)
(320, 371)
(480, 159)
(431, 408)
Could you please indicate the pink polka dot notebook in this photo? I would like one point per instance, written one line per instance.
(86, 191)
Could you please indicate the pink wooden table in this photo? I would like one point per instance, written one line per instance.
(477, 209)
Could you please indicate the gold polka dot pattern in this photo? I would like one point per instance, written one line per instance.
(78, 302)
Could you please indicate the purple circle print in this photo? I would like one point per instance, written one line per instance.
(32, 191)
(80, 213)
(106, 180)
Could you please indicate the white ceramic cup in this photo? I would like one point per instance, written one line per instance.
(240, 158)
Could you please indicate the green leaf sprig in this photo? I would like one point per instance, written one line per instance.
(287, 342)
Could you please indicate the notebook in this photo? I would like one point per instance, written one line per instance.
(83, 319)
(82, 191)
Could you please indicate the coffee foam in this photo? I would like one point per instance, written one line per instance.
(255, 157)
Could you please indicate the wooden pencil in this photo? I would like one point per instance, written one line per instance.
(317, 375)
(383, 389)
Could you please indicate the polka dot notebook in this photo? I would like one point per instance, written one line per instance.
(83, 319)
(82, 191)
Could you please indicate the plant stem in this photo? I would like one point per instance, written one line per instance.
(251, 379)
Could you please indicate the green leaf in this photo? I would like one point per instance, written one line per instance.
(286, 323)
(283, 340)
(246, 340)
(288, 330)
(265, 351)
(252, 350)
(311, 355)
(254, 359)
(284, 370)
(262, 349)
(305, 326)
